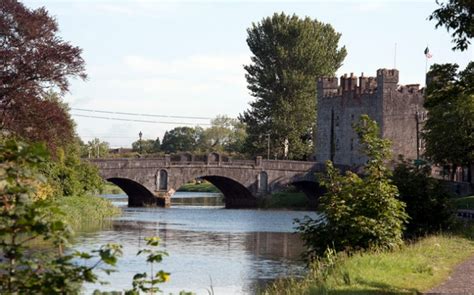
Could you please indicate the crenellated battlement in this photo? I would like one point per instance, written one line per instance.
(385, 79)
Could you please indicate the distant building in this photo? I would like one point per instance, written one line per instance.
(398, 111)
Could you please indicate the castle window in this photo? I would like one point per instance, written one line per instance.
(352, 117)
(337, 121)
(352, 144)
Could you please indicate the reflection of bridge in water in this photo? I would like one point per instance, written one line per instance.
(152, 181)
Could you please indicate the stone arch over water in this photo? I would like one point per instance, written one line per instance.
(236, 195)
(138, 195)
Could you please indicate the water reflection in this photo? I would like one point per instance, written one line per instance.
(234, 251)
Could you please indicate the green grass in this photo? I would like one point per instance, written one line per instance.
(83, 211)
(464, 203)
(414, 268)
(285, 200)
(203, 187)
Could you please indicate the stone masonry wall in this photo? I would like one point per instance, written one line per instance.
(341, 104)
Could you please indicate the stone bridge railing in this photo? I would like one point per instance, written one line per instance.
(217, 160)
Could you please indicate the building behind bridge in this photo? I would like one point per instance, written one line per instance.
(398, 111)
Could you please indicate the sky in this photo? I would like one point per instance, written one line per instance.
(185, 59)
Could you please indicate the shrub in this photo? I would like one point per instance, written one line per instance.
(427, 202)
(358, 213)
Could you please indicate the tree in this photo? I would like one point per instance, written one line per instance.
(24, 220)
(225, 134)
(456, 15)
(95, 148)
(358, 213)
(428, 204)
(289, 53)
(70, 176)
(449, 129)
(180, 139)
(34, 61)
(146, 146)
(41, 120)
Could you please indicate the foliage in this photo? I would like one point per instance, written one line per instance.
(413, 269)
(449, 100)
(34, 60)
(180, 139)
(83, 211)
(94, 149)
(464, 202)
(147, 146)
(456, 15)
(289, 53)
(23, 220)
(358, 213)
(225, 134)
(428, 204)
(72, 176)
(285, 199)
(143, 282)
(40, 120)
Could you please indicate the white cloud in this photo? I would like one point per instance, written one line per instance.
(202, 64)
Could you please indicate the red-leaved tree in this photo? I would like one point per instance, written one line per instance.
(33, 62)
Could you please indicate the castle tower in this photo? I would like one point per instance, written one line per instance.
(393, 107)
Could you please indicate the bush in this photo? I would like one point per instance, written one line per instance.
(358, 213)
(428, 204)
(25, 218)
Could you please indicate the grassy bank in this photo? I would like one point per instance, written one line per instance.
(203, 187)
(414, 268)
(83, 211)
(285, 200)
(464, 203)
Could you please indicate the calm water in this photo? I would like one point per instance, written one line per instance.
(232, 251)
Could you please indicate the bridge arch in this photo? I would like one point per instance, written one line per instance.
(138, 195)
(311, 188)
(236, 195)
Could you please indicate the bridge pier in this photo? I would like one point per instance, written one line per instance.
(163, 199)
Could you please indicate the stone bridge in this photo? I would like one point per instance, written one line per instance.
(152, 181)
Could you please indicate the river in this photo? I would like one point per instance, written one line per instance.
(210, 248)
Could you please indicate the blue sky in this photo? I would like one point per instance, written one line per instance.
(185, 58)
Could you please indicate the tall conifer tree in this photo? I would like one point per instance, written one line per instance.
(289, 54)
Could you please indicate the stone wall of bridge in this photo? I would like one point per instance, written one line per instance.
(242, 182)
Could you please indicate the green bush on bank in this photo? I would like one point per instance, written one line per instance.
(428, 203)
(85, 210)
(414, 268)
(358, 213)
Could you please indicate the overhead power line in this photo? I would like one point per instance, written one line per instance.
(141, 115)
(140, 121)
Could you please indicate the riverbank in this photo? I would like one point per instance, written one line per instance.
(199, 187)
(285, 200)
(415, 268)
(83, 211)
(464, 202)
